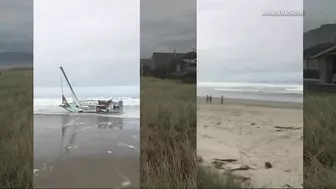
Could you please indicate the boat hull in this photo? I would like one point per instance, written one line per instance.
(94, 106)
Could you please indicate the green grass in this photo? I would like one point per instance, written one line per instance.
(319, 140)
(168, 134)
(16, 124)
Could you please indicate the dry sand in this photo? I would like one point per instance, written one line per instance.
(244, 130)
(86, 152)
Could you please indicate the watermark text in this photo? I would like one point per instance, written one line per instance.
(283, 13)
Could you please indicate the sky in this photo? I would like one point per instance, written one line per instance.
(318, 13)
(167, 25)
(96, 41)
(235, 43)
(16, 26)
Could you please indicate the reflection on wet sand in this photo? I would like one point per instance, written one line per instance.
(75, 124)
(108, 145)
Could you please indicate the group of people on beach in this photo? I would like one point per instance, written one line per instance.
(209, 99)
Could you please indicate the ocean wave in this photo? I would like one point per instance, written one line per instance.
(245, 84)
(253, 87)
(285, 91)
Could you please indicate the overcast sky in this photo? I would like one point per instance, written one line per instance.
(16, 25)
(237, 44)
(166, 25)
(318, 13)
(96, 41)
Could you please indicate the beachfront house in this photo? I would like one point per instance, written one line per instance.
(320, 64)
(183, 62)
(187, 64)
(160, 59)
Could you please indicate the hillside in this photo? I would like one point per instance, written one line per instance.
(16, 59)
(323, 34)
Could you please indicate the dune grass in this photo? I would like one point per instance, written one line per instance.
(168, 134)
(16, 134)
(319, 140)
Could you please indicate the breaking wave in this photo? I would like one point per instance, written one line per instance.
(253, 87)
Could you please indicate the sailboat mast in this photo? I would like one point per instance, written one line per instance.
(62, 86)
(66, 78)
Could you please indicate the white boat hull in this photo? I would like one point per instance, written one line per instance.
(93, 106)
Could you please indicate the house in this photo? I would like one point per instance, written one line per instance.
(320, 63)
(159, 59)
(188, 64)
(173, 63)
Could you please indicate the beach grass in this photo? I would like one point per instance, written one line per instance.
(168, 134)
(16, 135)
(319, 140)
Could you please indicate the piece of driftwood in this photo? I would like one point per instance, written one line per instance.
(289, 128)
(288, 186)
(226, 160)
(241, 168)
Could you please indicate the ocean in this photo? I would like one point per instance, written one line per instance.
(48, 99)
(252, 91)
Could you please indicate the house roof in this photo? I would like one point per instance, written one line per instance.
(165, 58)
(318, 50)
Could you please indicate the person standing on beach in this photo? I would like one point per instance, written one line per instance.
(222, 99)
(207, 98)
(210, 98)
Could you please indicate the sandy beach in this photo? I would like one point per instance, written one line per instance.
(252, 133)
(86, 151)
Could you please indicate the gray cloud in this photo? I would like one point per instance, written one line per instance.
(96, 41)
(166, 25)
(16, 25)
(237, 44)
(318, 13)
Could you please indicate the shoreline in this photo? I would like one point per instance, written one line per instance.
(250, 102)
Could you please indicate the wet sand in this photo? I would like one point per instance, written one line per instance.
(244, 130)
(86, 151)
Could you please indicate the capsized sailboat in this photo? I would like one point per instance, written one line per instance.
(88, 106)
